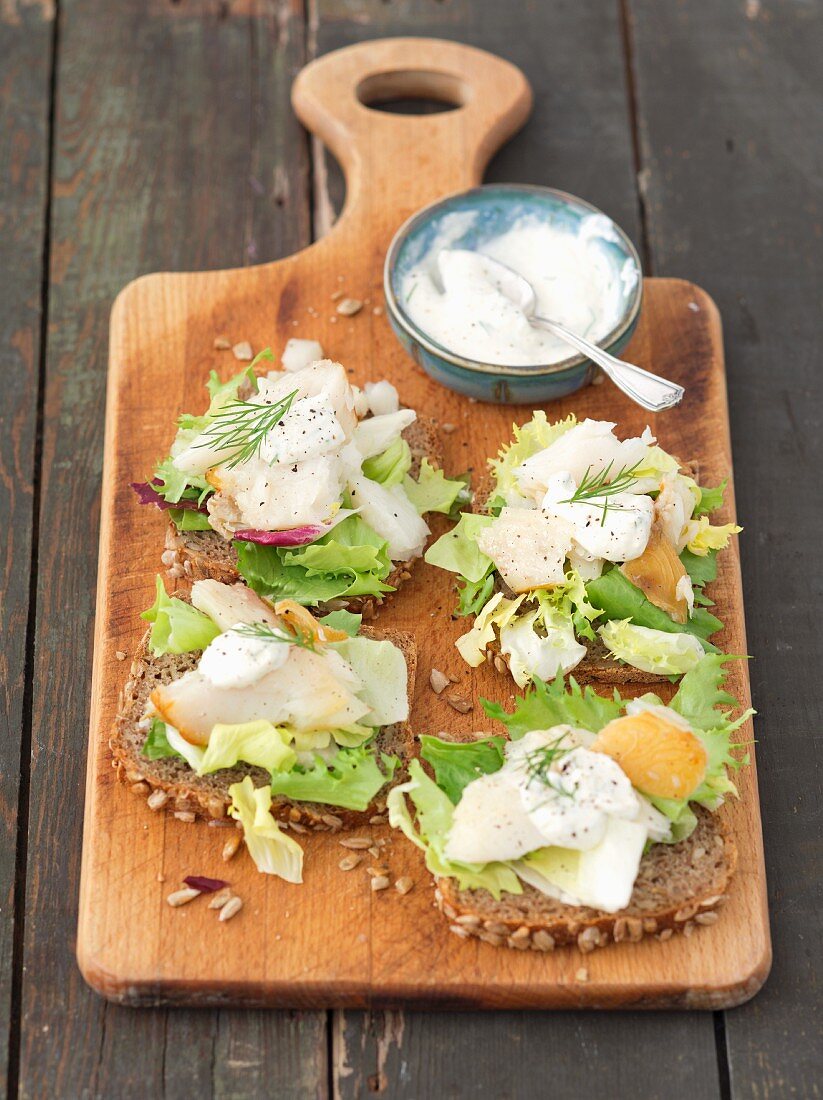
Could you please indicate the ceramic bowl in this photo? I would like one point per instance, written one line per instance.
(480, 214)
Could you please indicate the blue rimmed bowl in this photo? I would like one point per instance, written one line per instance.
(469, 219)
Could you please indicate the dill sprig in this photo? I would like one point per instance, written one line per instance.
(242, 426)
(266, 633)
(539, 761)
(598, 486)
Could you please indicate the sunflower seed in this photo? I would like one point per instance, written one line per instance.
(355, 842)
(381, 882)
(220, 898)
(348, 863)
(243, 351)
(404, 885)
(349, 306)
(438, 680)
(232, 906)
(182, 897)
(231, 846)
(461, 705)
(221, 343)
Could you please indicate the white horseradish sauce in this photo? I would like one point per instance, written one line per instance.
(452, 297)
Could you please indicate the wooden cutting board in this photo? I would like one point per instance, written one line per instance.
(332, 941)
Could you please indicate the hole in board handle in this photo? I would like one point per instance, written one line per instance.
(412, 92)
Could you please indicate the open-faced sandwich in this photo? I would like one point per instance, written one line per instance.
(595, 821)
(307, 487)
(238, 707)
(587, 552)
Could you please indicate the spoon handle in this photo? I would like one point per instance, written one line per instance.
(648, 390)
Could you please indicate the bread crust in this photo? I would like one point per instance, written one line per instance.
(532, 921)
(207, 797)
(206, 555)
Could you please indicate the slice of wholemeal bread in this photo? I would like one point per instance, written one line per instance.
(203, 555)
(678, 887)
(598, 666)
(208, 796)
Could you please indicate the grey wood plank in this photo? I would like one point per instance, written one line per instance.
(579, 139)
(731, 112)
(175, 148)
(26, 34)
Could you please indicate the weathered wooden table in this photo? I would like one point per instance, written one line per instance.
(139, 136)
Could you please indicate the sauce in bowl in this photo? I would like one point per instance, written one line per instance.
(578, 279)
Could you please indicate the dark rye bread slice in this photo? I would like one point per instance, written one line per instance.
(678, 887)
(202, 555)
(598, 666)
(170, 783)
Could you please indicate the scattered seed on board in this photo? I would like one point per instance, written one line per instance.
(161, 877)
(218, 900)
(185, 815)
(120, 655)
(448, 428)
(378, 819)
(376, 872)
(231, 846)
(349, 306)
(404, 884)
(355, 842)
(243, 351)
(348, 863)
(374, 851)
(338, 294)
(221, 343)
(157, 800)
(231, 908)
(182, 897)
(380, 882)
(438, 680)
(582, 975)
(378, 311)
(461, 705)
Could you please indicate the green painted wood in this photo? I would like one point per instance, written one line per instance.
(25, 71)
(175, 148)
(731, 112)
(579, 139)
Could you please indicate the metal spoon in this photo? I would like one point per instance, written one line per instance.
(648, 390)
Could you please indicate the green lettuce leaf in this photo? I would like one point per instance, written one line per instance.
(701, 569)
(258, 743)
(177, 627)
(655, 651)
(458, 552)
(390, 467)
(472, 596)
(710, 499)
(351, 560)
(456, 764)
(185, 519)
(222, 393)
(343, 620)
(433, 491)
(381, 668)
(156, 746)
(556, 704)
(351, 780)
(533, 436)
(273, 851)
(434, 813)
(618, 598)
(172, 484)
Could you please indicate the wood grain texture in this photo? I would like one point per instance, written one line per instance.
(26, 35)
(174, 147)
(729, 106)
(340, 943)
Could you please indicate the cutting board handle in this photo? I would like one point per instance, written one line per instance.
(393, 163)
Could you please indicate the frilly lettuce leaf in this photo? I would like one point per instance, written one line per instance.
(352, 779)
(618, 598)
(533, 436)
(702, 568)
(186, 519)
(390, 467)
(434, 492)
(429, 830)
(651, 650)
(221, 393)
(710, 499)
(539, 641)
(177, 627)
(458, 552)
(456, 764)
(352, 560)
(706, 537)
(273, 851)
(556, 704)
(259, 743)
(491, 619)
